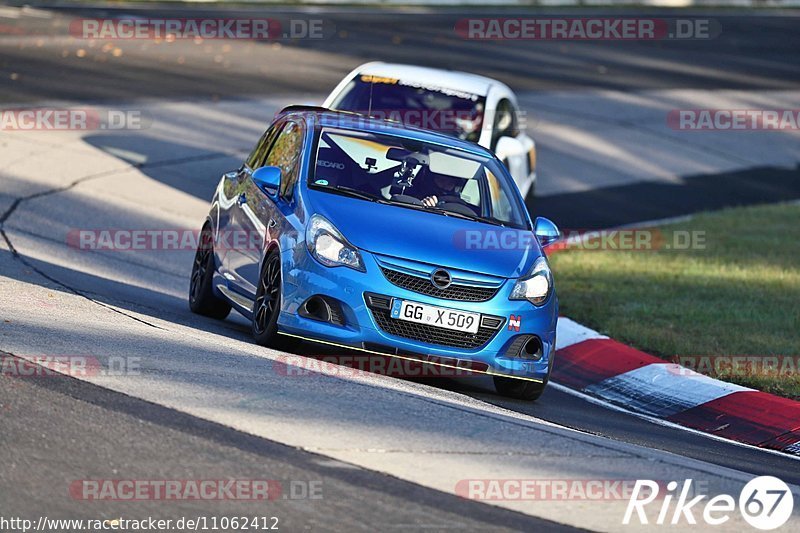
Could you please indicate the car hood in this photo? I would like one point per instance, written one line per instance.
(429, 238)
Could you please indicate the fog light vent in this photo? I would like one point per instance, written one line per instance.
(526, 347)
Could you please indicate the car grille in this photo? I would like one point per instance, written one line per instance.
(379, 306)
(463, 293)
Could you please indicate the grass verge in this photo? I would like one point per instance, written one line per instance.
(728, 306)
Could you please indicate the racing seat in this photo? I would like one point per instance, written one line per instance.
(330, 168)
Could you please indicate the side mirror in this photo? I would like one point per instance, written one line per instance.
(268, 179)
(546, 231)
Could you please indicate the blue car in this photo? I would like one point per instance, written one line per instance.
(361, 233)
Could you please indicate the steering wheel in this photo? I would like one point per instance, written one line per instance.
(449, 200)
(455, 204)
(406, 199)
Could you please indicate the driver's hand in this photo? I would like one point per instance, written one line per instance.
(430, 201)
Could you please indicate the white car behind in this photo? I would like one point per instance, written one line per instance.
(468, 106)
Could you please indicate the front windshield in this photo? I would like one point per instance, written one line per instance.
(426, 106)
(416, 175)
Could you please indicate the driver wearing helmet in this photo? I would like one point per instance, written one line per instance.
(442, 186)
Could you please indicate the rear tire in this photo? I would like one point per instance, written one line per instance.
(520, 389)
(202, 299)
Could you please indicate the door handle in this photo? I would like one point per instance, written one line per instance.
(242, 199)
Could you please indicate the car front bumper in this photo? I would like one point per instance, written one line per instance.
(365, 325)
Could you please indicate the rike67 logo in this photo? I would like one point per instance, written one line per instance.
(765, 503)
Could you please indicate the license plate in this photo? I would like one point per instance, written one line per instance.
(436, 316)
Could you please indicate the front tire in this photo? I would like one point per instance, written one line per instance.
(267, 305)
(520, 389)
(202, 299)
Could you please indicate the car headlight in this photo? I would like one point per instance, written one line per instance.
(329, 247)
(537, 286)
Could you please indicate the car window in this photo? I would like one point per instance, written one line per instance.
(285, 154)
(501, 206)
(408, 173)
(259, 154)
(423, 105)
(471, 193)
(505, 121)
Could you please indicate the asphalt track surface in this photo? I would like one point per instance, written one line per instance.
(83, 425)
(159, 441)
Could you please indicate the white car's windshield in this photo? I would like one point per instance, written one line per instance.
(427, 106)
(418, 175)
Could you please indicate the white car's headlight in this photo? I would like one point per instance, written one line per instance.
(537, 286)
(329, 247)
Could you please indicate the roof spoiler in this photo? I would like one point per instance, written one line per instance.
(301, 108)
(318, 109)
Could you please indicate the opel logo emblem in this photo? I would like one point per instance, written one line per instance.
(441, 279)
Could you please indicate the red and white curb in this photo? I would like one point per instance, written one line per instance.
(595, 365)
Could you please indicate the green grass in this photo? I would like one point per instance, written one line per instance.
(737, 296)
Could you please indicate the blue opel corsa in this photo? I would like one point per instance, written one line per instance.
(365, 234)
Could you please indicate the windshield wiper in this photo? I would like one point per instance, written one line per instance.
(465, 216)
(445, 212)
(355, 193)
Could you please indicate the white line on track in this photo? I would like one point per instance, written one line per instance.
(665, 423)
